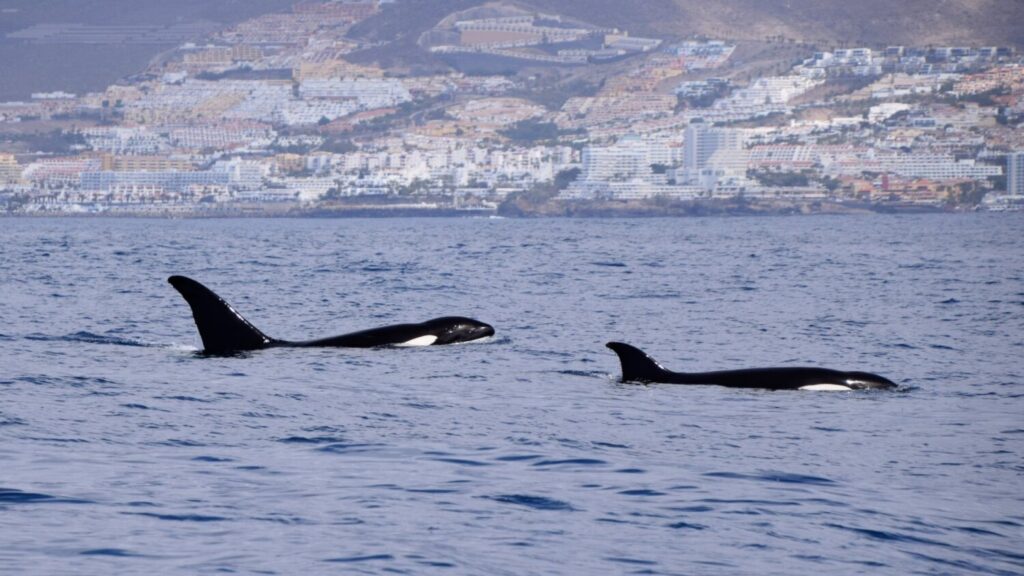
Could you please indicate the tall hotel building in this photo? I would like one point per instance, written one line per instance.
(1015, 174)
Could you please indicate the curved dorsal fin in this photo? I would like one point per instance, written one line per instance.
(222, 329)
(637, 366)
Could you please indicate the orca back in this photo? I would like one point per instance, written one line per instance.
(222, 329)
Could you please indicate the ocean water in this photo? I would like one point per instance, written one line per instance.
(123, 451)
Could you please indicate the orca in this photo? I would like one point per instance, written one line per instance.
(639, 367)
(225, 331)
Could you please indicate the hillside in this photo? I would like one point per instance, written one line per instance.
(825, 22)
(27, 67)
(869, 22)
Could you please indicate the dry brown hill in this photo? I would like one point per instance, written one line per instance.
(869, 22)
(828, 23)
(27, 67)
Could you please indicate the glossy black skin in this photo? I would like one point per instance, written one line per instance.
(639, 367)
(225, 331)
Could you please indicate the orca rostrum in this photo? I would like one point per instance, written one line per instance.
(224, 331)
(639, 367)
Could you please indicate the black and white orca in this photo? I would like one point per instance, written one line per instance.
(225, 331)
(639, 367)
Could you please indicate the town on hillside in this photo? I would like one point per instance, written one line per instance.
(518, 113)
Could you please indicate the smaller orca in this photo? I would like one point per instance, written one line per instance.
(639, 367)
(225, 331)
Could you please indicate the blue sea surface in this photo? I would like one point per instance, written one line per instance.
(124, 451)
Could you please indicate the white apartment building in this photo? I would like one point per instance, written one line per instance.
(1015, 174)
(628, 159)
(125, 141)
(199, 137)
(59, 172)
(10, 171)
(930, 166)
(242, 174)
(306, 112)
(370, 93)
(628, 190)
(712, 156)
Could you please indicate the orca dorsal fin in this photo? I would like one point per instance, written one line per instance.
(221, 327)
(636, 365)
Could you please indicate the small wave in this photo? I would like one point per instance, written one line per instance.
(178, 443)
(432, 563)
(582, 373)
(979, 531)
(572, 462)
(633, 561)
(89, 338)
(431, 490)
(462, 461)
(282, 519)
(749, 501)
(253, 414)
(142, 407)
(11, 421)
(529, 501)
(641, 492)
(72, 381)
(888, 536)
(116, 552)
(184, 399)
(312, 440)
(179, 517)
(783, 477)
(901, 345)
(182, 347)
(423, 406)
(686, 526)
(370, 558)
(517, 457)
(57, 440)
(609, 264)
(695, 508)
(344, 448)
(15, 496)
(608, 445)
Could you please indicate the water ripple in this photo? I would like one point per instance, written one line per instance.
(14, 496)
(530, 501)
(780, 477)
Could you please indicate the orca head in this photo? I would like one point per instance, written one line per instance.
(867, 380)
(454, 329)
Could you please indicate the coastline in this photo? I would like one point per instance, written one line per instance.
(548, 209)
